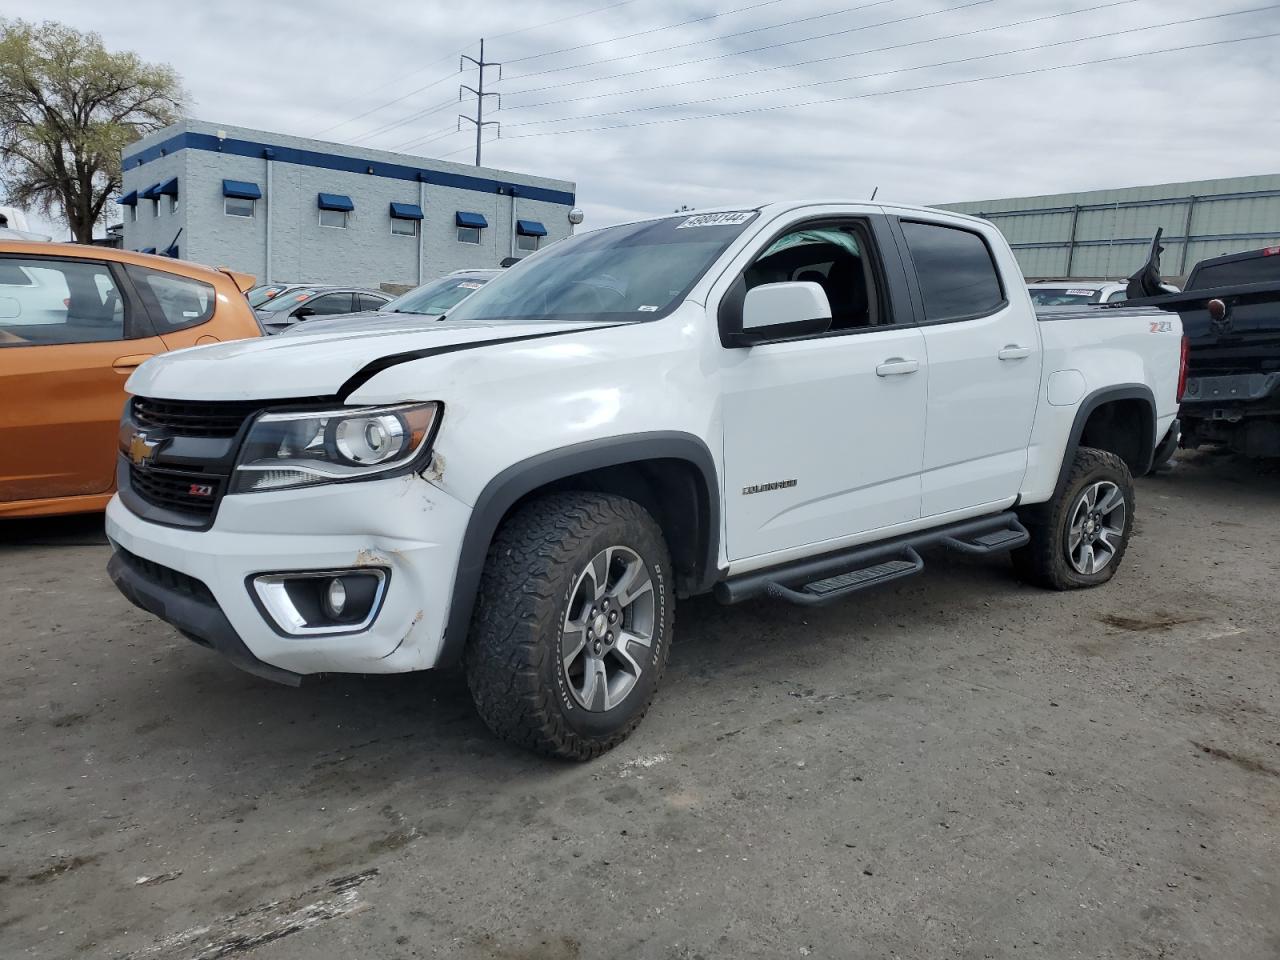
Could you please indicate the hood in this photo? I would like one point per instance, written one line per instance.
(315, 362)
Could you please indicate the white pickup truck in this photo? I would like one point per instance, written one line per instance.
(790, 400)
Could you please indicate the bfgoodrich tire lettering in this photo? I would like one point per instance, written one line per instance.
(1053, 558)
(529, 620)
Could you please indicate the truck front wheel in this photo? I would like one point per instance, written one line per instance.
(1079, 538)
(572, 624)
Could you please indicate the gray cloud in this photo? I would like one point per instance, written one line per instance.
(302, 67)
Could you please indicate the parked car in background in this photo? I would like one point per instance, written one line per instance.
(787, 401)
(302, 303)
(1068, 293)
(437, 297)
(263, 292)
(1231, 315)
(74, 323)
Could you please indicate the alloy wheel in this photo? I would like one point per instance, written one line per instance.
(1096, 527)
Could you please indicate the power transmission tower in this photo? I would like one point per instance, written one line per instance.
(480, 94)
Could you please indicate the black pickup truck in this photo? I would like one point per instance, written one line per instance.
(1230, 313)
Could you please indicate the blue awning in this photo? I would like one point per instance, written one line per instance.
(406, 211)
(130, 199)
(152, 192)
(169, 187)
(147, 250)
(530, 228)
(476, 220)
(241, 189)
(334, 201)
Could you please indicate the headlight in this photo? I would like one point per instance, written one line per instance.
(287, 450)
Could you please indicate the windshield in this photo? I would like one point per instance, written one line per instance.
(261, 294)
(436, 297)
(1063, 296)
(636, 271)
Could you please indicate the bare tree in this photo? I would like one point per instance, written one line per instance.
(68, 107)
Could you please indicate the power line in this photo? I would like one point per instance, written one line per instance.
(882, 93)
(425, 112)
(642, 33)
(552, 23)
(898, 70)
(830, 59)
(389, 83)
(391, 103)
(739, 33)
(772, 46)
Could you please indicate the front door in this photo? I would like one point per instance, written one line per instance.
(67, 345)
(823, 436)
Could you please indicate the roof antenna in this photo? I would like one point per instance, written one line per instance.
(874, 192)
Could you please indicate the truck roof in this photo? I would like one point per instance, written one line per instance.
(781, 206)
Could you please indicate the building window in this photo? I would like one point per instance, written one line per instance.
(155, 207)
(133, 214)
(173, 203)
(468, 234)
(333, 218)
(238, 206)
(527, 244)
(404, 228)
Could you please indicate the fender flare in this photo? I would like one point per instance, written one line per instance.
(1127, 391)
(519, 480)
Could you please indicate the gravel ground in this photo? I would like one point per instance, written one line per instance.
(955, 766)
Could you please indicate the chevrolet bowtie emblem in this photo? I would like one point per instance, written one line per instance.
(141, 449)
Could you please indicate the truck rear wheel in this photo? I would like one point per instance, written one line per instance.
(1079, 538)
(572, 624)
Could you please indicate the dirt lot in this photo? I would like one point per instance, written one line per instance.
(954, 767)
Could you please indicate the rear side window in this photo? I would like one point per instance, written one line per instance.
(174, 302)
(958, 278)
(369, 302)
(58, 301)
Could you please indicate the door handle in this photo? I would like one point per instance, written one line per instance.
(1014, 352)
(130, 363)
(897, 366)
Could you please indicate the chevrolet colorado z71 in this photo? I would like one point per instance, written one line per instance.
(790, 400)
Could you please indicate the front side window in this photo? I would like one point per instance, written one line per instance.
(58, 301)
(333, 218)
(1118, 296)
(174, 302)
(367, 301)
(526, 243)
(401, 227)
(468, 234)
(330, 304)
(238, 207)
(957, 276)
(838, 258)
(631, 272)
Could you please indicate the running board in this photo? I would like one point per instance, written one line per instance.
(825, 579)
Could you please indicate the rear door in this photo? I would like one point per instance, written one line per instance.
(71, 332)
(823, 435)
(983, 349)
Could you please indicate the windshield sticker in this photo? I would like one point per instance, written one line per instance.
(1081, 293)
(471, 286)
(647, 309)
(718, 219)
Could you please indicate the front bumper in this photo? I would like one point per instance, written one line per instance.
(404, 525)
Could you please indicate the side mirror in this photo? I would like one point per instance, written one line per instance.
(778, 311)
(302, 313)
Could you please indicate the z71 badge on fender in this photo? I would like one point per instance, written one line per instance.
(766, 487)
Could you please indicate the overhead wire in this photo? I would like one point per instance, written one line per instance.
(898, 70)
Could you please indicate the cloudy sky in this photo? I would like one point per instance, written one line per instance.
(653, 104)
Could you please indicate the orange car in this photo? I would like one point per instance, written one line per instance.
(75, 321)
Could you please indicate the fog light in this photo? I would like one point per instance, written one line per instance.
(335, 598)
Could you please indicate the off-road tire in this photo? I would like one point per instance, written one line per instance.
(513, 661)
(1044, 561)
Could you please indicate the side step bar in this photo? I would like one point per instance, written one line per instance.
(825, 579)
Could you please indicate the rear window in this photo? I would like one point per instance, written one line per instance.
(174, 302)
(1256, 269)
(45, 301)
(957, 276)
